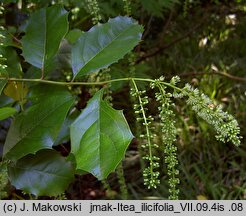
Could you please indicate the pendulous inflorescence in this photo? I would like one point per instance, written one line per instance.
(225, 125)
(2, 37)
(150, 173)
(93, 8)
(127, 7)
(3, 180)
(168, 133)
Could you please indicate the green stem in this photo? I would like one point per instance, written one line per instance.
(87, 83)
(146, 128)
(22, 97)
(42, 73)
(169, 146)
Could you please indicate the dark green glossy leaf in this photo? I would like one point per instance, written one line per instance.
(38, 127)
(6, 112)
(99, 137)
(13, 68)
(44, 33)
(104, 44)
(46, 173)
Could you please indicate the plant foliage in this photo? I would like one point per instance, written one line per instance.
(41, 174)
(99, 137)
(43, 35)
(37, 127)
(45, 67)
(102, 45)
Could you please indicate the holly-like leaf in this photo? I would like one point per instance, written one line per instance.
(104, 44)
(6, 112)
(99, 137)
(46, 173)
(44, 32)
(38, 127)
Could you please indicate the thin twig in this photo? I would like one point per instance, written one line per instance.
(241, 79)
(51, 82)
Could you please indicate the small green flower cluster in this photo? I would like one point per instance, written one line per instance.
(168, 129)
(104, 75)
(75, 13)
(127, 7)
(225, 125)
(122, 181)
(1, 9)
(3, 180)
(94, 11)
(151, 176)
(186, 5)
(3, 66)
(100, 76)
(3, 168)
(61, 196)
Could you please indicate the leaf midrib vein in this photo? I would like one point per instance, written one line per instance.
(35, 125)
(39, 171)
(45, 39)
(105, 47)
